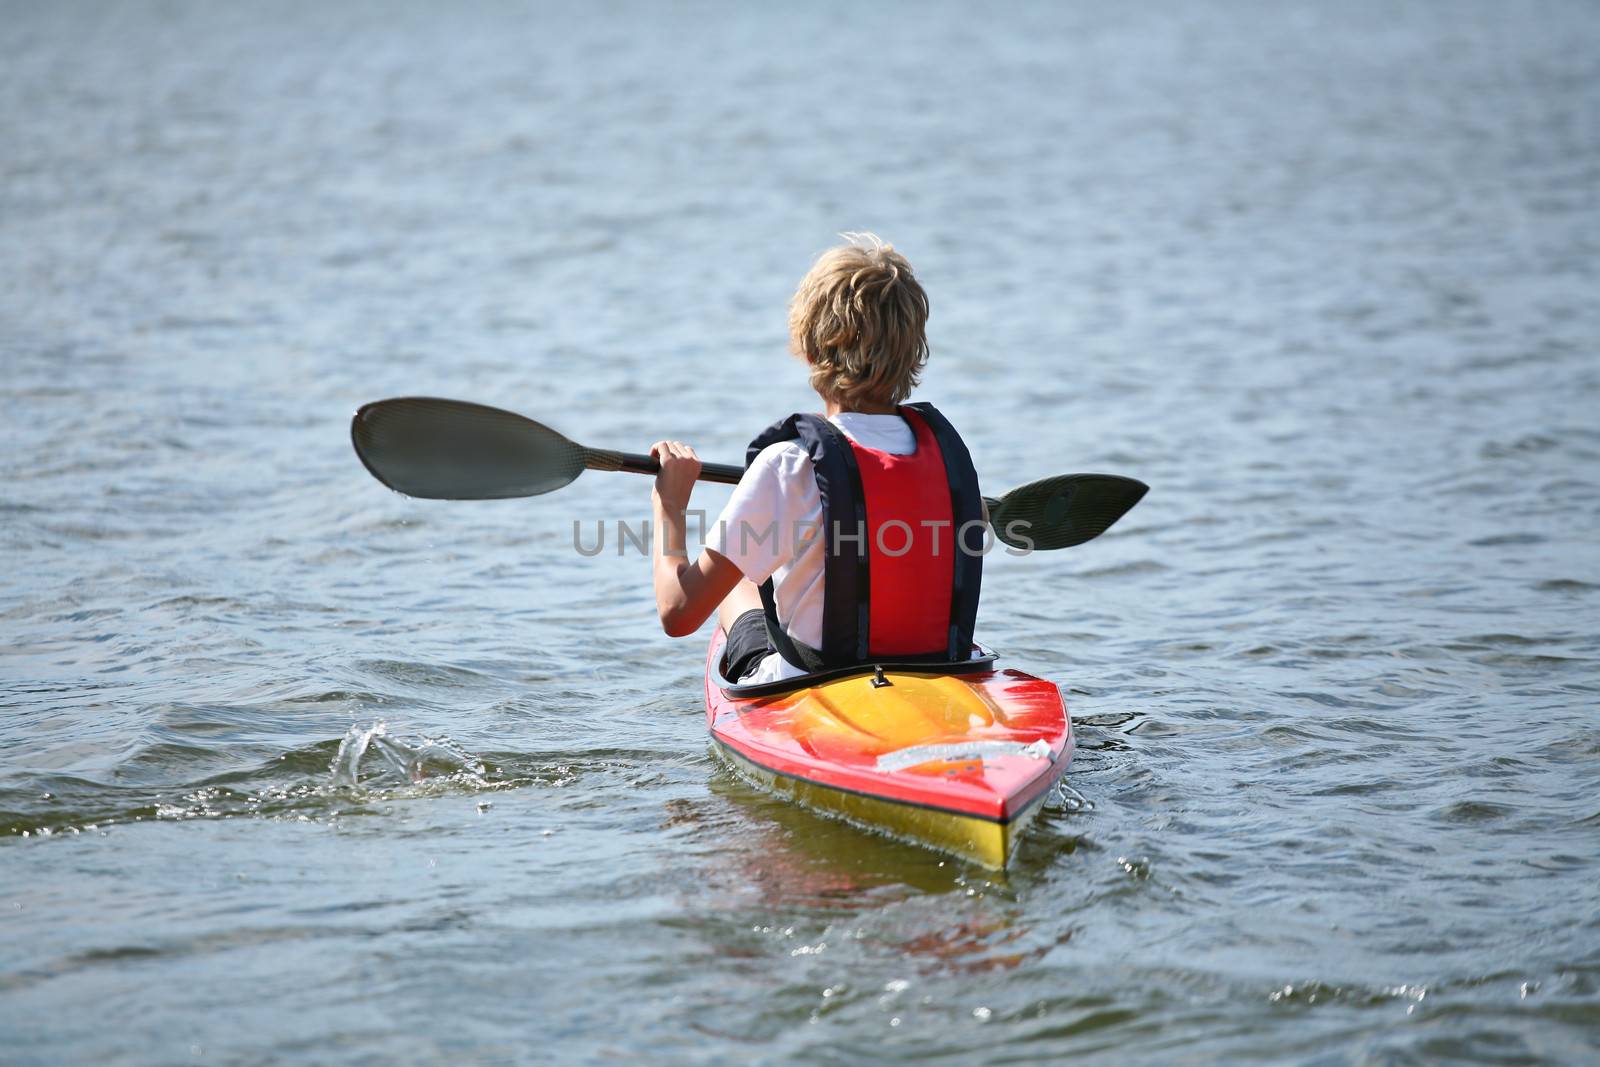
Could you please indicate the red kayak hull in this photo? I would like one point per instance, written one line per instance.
(960, 762)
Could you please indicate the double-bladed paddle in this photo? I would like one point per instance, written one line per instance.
(454, 450)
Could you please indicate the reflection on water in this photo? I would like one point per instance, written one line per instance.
(796, 856)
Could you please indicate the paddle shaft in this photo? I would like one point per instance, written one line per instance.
(604, 459)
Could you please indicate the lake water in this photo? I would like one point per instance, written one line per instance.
(1324, 275)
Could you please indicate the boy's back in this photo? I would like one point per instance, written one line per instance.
(850, 535)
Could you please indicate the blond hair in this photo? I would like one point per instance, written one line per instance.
(859, 319)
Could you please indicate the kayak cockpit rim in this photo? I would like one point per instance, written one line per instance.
(982, 661)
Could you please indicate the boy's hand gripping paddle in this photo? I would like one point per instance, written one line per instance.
(454, 450)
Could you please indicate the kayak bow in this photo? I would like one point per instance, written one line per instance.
(958, 757)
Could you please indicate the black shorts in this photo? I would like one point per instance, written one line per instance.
(747, 645)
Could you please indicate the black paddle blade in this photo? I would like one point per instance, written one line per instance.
(1063, 511)
(452, 450)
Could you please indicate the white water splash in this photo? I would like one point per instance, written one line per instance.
(369, 755)
(1069, 799)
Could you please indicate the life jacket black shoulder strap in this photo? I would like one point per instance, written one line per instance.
(966, 514)
(845, 596)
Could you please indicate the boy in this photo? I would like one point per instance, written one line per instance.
(851, 538)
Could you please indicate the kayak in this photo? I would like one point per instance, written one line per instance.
(955, 756)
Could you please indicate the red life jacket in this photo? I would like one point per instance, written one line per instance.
(903, 537)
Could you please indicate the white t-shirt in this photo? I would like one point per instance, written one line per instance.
(772, 528)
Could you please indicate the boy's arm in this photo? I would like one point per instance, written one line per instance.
(686, 593)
